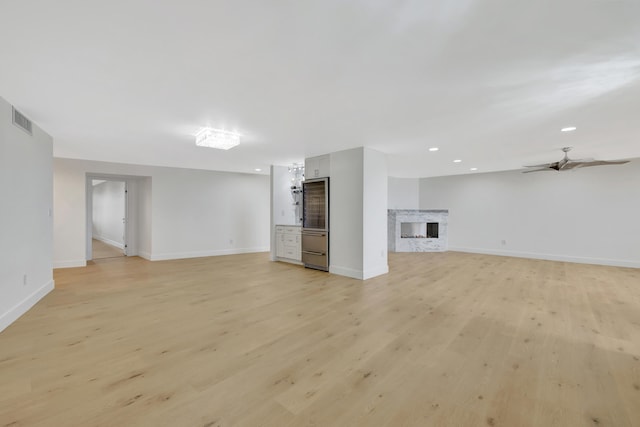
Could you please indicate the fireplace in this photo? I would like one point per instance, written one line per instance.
(419, 230)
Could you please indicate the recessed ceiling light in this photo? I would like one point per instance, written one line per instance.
(473, 169)
(258, 170)
(433, 149)
(568, 129)
(457, 161)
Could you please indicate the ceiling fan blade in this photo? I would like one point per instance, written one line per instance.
(588, 159)
(554, 166)
(538, 170)
(571, 165)
(568, 164)
(600, 163)
(545, 165)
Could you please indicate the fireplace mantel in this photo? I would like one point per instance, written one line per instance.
(416, 242)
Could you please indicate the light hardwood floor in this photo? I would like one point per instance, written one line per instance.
(101, 250)
(445, 339)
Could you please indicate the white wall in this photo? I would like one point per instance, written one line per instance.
(204, 213)
(404, 193)
(193, 212)
(345, 213)
(25, 217)
(69, 221)
(587, 215)
(144, 217)
(70, 239)
(358, 213)
(109, 212)
(283, 211)
(374, 214)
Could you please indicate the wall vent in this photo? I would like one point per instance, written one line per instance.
(21, 121)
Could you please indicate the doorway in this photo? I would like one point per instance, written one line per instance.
(133, 215)
(108, 218)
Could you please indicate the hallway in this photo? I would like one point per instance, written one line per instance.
(103, 250)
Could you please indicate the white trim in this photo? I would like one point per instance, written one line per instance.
(25, 305)
(109, 241)
(288, 260)
(70, 263)
(200, 254)
(359, 274)
(551, 257)
(346, 271)
(145, 255)
(88, 216)
(131, 231)
(374, 272)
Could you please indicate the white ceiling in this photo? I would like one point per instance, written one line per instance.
(489, 82)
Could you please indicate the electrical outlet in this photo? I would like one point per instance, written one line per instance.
(24, 280)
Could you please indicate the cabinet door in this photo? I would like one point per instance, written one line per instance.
(298, 247)
(317, 167)
(311, 168)
(280, 245)
(324, 165)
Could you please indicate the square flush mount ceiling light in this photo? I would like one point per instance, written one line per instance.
(216, 138)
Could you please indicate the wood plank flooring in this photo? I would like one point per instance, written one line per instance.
(445, 339)
(100, 249)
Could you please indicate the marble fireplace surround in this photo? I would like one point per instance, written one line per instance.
(398, 244)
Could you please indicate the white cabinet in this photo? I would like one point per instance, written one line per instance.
(289, 243)
(317, 167)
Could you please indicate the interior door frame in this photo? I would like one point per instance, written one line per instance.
(129, 249)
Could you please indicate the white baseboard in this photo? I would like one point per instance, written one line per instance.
(374, 272)
(200, 254)
(346, 271)
(109, 241)
(359, 274)
(70, 264)
(145, 255)
(22, 307)
(551, 257)
(288, 260)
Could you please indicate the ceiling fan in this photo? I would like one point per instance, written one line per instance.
(568, 164)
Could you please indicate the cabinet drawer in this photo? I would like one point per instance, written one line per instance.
(292, 230)
(315, 261)
(315, 242)
(291, 239)
(292, 252)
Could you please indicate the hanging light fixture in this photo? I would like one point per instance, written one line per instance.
(297, 172)
(217, 138)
